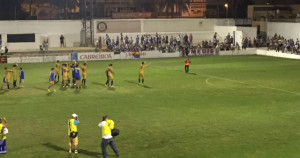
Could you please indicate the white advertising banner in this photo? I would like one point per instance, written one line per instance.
(147, 54)
(203, 52)
(95, 56)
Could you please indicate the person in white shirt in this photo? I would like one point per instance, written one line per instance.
(107, 139)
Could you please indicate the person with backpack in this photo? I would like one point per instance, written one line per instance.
(108, 133)
(73, 132)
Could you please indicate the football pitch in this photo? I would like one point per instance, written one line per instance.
(226, 107)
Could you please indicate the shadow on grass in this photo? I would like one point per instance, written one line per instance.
(50, 93)
(147, 87)
(2, 91)
(63, 89)
(191, 73)
(96, 83)
(111, 88)
(39, 88)
(81, 151)
(132, 82)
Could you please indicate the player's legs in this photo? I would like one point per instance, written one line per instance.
(188, 69)
(111, 83)
(15, 83)
(7, 83)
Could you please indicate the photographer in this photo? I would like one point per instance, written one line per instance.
(107, 139)
(73, 132)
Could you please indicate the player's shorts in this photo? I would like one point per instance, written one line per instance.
(84, 76)
(6, 80)
(57, 72)
(51, 82)
(110, 77)
(68, 75)
(73, 141)
(77, 78)
(65, 78)
(141, 75)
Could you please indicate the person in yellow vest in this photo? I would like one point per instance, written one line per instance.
(109, 71)
(73, 133)
(107, 139)
(187, 65)
(3, 131)
(57, 70)
(6, 78)
(84, 73)
(15, 76)
(142, 72)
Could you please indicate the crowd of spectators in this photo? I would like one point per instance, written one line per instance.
(170, 43)
(164, 43)
(279, 43)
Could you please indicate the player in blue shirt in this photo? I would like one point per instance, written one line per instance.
(73, 66)
(51, 80)
(77, 76)
(22, 77)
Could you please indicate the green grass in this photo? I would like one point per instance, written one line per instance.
(227, 107)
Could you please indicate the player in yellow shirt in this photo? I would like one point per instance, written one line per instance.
(84, 73)
(51, 80)
(110, 76)
(68, 73)
(142, 72)
(65, 76)
(6, 78)
(57, 70)
(15, 76)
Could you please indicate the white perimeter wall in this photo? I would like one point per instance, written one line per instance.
(202, 29)
(288, 30)
(43, 29)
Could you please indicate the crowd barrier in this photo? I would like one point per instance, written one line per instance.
(93, 56)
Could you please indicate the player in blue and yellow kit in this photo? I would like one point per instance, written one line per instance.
(84, 73)
(65, 75)
(110, 76)
(22, 77)
(142, 72)
(51, 80)
(77, 76)
(73, 66)
(57, 70)
(6, 78)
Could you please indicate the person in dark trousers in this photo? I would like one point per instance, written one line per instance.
(107, 139)
(187, 65)
(62, 41)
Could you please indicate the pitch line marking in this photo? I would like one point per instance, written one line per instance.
(236, 81)
(278, 89)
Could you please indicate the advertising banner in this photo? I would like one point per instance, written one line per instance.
(203, 52)
(95, 56)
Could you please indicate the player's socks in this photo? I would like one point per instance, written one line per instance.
(143, 81)
(139, 81)
(7, 86)
(58, 78)
(112, 83)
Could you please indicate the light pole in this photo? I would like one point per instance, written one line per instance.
(226, 6)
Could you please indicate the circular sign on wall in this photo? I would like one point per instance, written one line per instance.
(101, 26)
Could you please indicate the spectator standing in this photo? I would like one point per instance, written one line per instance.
(73, 133)
(107, 139)
(3, 132)
(191, 39)
(62, 41)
